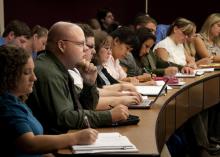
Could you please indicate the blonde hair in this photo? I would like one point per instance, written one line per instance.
(190, 48)
(185, 25)
(209, 22)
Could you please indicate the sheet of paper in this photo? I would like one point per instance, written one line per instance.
(185, 75)
(204, 70)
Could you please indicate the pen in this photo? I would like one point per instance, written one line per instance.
(111, 107)
(145, 70)
(86, 121)
(151, 75)
(148, 71)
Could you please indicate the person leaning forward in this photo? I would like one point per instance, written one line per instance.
(54, 100)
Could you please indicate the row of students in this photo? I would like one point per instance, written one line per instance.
(62, 115)
(203, 42)
(180, 32)
(111, 93)
(61, 45)
(203, 46)
(60, 60)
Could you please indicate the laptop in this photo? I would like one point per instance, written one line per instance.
(147, 103)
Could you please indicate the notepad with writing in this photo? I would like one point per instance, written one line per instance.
(107, 143)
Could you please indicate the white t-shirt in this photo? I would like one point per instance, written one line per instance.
(176, 51)
(78, 81)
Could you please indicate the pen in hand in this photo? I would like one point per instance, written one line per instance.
(151, 75)
(111, 107)
(148, 71)
(145, 70)
(86, 121)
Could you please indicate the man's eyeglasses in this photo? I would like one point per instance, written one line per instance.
(79, 43)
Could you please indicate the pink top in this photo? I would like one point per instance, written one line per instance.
(114, 68)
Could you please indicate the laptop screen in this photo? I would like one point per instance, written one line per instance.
(163, 88)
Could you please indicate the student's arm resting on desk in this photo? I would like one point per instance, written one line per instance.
(119, 112)
(159, 63)
(162, 67)
(103, 92)
(170, 67)
(206, 60)
(132, 80)
(104, 102)
(31, 143)
(165, 71)
(121, 87)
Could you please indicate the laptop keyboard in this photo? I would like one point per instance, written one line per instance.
(145, 102)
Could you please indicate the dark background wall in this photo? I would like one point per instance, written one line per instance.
(166, 11)
(46, 12)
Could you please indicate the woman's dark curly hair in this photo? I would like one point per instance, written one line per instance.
(12, 61)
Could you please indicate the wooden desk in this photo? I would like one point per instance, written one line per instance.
(169, 113)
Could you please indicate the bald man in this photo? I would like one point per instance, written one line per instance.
(54, 100)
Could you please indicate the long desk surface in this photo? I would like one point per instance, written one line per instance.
(169, 113)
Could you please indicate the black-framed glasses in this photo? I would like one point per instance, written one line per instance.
(79, 43)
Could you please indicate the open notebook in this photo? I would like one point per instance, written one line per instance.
(107, 143)
(147, 103)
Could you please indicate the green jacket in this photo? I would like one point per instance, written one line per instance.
(53, 103)
(154, 64)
